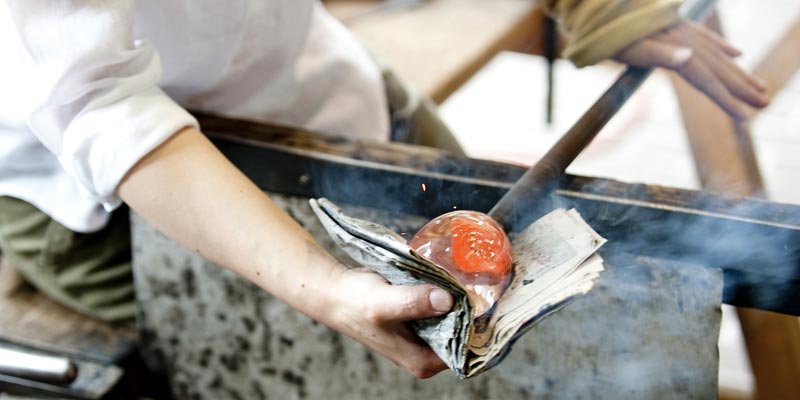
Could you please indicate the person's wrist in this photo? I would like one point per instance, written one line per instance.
(333, 300)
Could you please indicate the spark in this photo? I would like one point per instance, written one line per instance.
(424, 187)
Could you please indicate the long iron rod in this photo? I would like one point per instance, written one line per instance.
(37, 367)
(523, 203)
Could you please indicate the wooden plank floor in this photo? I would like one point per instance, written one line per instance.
(28, 318)
(438, 45)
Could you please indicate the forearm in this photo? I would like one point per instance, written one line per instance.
(194, 195)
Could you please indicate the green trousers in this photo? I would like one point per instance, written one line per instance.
(90, 273)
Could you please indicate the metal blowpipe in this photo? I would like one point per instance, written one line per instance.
(524, 202)
(37, 367)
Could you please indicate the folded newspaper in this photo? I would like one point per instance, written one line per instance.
(554, 261)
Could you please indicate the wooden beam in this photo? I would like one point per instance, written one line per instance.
(773, 345)
(782, 62)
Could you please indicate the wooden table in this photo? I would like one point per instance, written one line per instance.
(437, 45)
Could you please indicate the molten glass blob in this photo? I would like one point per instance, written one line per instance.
(472, 247)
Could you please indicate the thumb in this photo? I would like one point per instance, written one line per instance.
(653, 53)
(407, 303)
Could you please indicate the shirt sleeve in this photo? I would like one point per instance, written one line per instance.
(95, 101)
(599, 29)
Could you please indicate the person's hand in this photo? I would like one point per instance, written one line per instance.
(375, 313)
(704, 59)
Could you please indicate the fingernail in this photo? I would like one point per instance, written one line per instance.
(441, 300)
(681, 56)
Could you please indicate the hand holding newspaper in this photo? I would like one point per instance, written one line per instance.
(554, 261)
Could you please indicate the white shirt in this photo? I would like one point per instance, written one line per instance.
(90, 87)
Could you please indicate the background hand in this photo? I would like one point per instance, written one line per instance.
(375, 313)
(704, 59)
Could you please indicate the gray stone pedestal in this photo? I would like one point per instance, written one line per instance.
(647, 331)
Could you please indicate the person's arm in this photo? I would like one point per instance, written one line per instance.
(193, 194)
(650, 33)
(703, 59)
(95, 103)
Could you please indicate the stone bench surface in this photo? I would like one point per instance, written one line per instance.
(647, 330)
